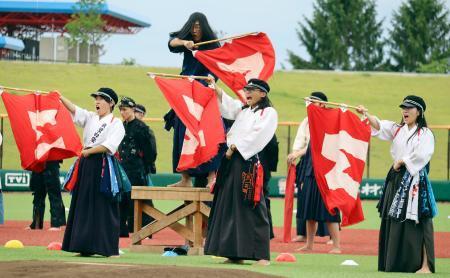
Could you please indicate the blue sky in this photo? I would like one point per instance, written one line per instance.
(279, 19)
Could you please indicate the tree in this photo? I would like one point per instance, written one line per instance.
(343, 34)
(87, 26)
(420, 34)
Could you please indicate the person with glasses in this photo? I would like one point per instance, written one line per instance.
(195, 30)
(239, 227)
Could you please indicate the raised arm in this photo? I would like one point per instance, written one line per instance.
(68, 104)
(372, 119)
(229, 107)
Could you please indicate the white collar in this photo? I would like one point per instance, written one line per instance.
(105, 118)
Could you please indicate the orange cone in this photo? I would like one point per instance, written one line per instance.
(54, 246)
(286, 257)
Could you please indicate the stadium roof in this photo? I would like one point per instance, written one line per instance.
(50, 16)
(11, 43)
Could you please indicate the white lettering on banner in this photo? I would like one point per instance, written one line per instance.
(17, 179)
(371, 189)
(39, 119)
(250, 66)
(331, 149)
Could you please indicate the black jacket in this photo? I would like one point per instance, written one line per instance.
(138, 148)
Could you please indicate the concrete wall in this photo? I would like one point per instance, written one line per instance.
(82, 53)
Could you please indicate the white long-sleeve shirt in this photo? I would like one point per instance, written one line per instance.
(252, 130)
(415, 153)
(302, 137)
(107, 131)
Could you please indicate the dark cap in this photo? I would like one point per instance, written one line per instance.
(108, 94)
(318, 96)
(414, 101)
(139, 108)
(257, 84)
(127, 102)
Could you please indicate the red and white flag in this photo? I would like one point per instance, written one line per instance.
(339, 144)
(198, 109)
(240, 60)
(43, 129)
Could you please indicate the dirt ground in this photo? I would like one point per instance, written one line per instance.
(78, 269)
(353, 241)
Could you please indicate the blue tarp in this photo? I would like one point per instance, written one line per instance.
(11, 43)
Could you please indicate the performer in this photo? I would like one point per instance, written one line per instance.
(139, 111)
(137, 156)
(310, 204)
(407, 205)
(42, 183)
(299, 148)
(93, 222)
(196, 29)
(238, 226)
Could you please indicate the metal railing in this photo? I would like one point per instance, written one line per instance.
(290, 135)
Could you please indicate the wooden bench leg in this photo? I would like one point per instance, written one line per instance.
(137, 217)
(205, 226)
(198, 230)
(189, 225)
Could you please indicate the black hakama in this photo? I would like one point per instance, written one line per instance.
(237, 230)
(401, 243)
(322, 229)
(311, 203)
(93, 222)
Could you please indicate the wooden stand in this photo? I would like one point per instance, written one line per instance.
(194, 210)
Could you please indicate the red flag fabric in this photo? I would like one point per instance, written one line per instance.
(289, 203)
(198, 109)
(339, 144)
(240, 60)
(43, 129)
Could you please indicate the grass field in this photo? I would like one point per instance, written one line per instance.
(381, 93)
(307, 265)
(18, 206)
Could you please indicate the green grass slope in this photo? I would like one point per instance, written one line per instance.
(381, 93)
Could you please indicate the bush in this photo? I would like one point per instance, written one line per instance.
(439, 66)
(128, 62)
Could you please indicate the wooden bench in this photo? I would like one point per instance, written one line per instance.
(193, 209)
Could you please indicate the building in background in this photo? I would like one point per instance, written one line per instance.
(34, 30)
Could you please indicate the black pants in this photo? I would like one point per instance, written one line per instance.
(127, 205)
(47, 182)
(266, 189)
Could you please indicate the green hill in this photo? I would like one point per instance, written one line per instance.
(381, 93)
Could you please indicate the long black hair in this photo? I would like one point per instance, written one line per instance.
(421, 123)
(207, 33)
